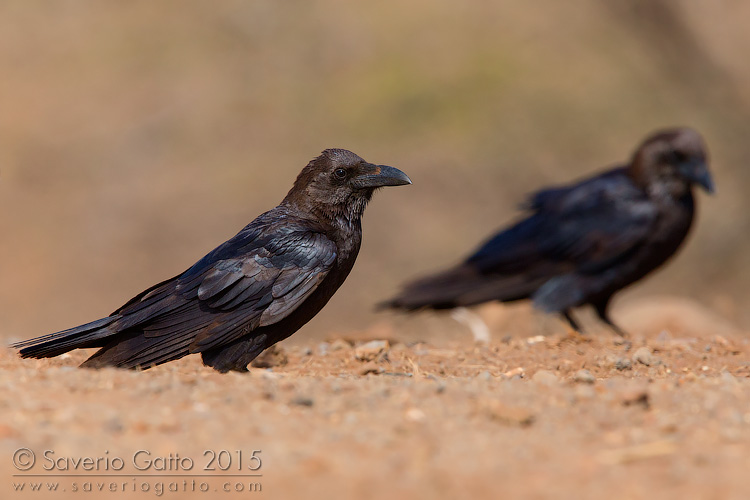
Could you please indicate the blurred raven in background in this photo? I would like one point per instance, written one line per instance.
(584, 242)
(254, 290)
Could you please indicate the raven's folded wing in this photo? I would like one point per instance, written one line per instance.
(586, 227)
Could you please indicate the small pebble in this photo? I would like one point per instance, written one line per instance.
(369, 368)
(415, 415)
(507, 415)
(623, 364)
(584, 377)
(338, 345)
(114, 425)
(515, 372)
(644, 356)
(371, 350)
(302, 401)
(635, 397)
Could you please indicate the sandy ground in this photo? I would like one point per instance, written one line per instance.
(556, 416)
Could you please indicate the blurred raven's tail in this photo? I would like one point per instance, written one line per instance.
(461, 286)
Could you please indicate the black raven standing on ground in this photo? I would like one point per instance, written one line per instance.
(584, 242)
(256, 289)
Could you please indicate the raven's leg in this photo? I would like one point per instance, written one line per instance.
(571, 321)
(601, 311)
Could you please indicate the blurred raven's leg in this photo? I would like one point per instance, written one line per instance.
(601, 311)
(572, 322)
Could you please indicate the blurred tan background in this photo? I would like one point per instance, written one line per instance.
(136, 136)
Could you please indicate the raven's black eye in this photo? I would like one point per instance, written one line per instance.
(340, 173)
(674, 156)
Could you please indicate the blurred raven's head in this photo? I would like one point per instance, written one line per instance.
(670, 162)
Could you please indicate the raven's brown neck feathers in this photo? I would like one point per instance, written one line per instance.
(315, 195)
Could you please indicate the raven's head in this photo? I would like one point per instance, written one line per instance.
(672, 161)
(338, 183)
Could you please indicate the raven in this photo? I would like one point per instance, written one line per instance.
(582, 243)
(252, 291)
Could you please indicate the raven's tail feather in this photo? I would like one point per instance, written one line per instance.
(54, 344)
(131, 349)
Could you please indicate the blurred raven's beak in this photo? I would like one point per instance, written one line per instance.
(697, 172)
(375, 176)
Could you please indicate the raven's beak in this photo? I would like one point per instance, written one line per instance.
(375, 176)
(697, 172)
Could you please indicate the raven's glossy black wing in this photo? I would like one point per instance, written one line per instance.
(264, 286)
(585, 227)
(261, 282)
